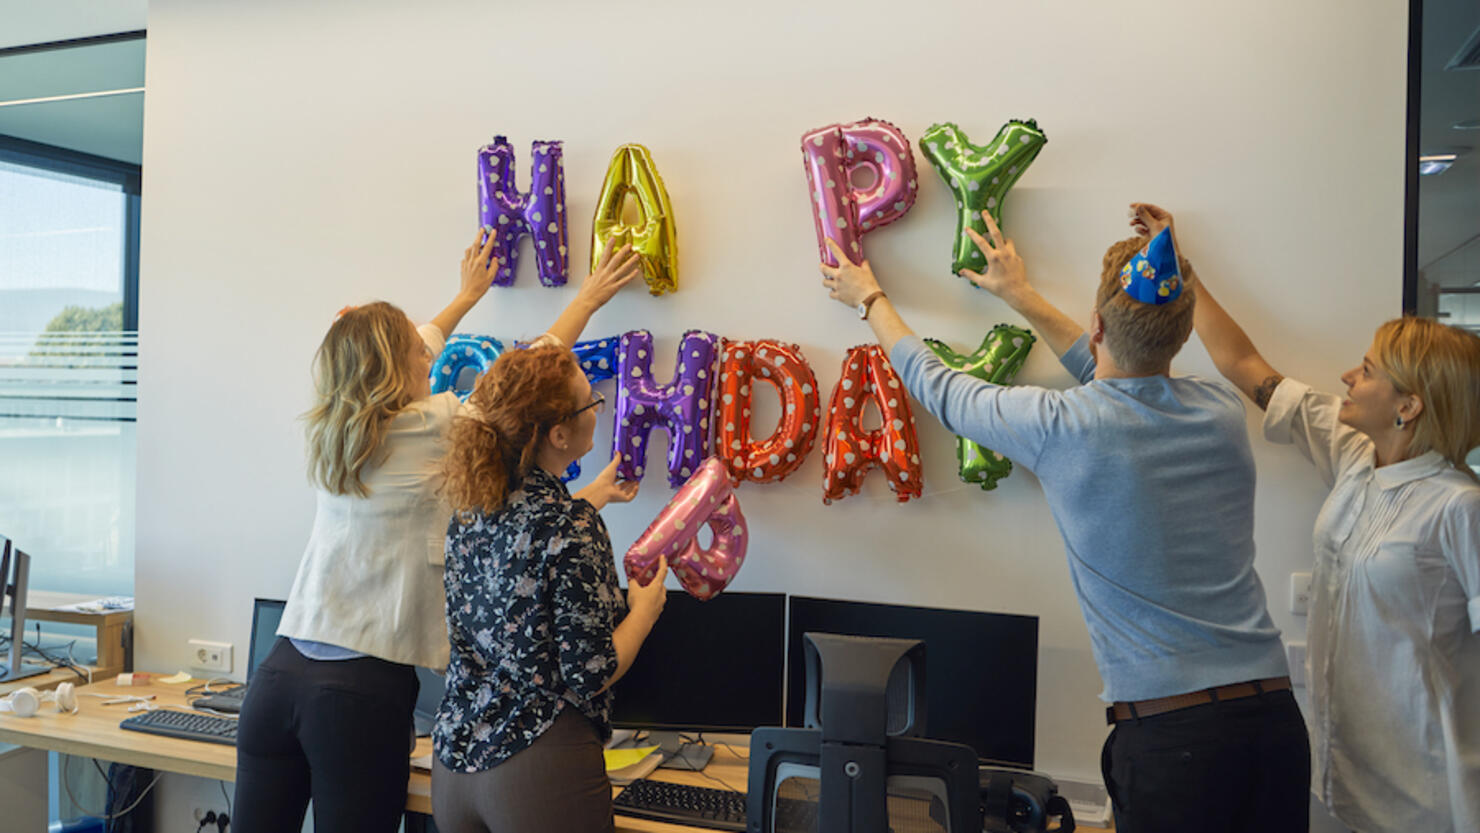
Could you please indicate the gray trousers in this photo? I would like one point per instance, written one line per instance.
(557, 784)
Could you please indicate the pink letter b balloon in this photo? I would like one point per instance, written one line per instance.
(707, 498)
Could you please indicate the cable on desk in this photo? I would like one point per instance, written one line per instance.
(66, 785)
(225, 796)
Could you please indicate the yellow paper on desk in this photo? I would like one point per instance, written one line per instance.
(622, 758)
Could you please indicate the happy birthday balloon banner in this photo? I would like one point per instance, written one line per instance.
(836, 158)
(710, 396)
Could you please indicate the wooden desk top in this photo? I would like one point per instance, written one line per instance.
(93, 732)
(43, 605)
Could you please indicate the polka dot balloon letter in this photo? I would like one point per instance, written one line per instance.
(997, 360)
(680, 407)
(511, 214)
(979, 176)
(744, 365)
(845, 211)
(707, 498)
(850, 450)
(654, 236)
(461, 352)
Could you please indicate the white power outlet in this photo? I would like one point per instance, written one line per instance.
(1295, 655)
(212, 656)
(1300, 593)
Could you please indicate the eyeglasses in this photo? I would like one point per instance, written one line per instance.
(597, 400)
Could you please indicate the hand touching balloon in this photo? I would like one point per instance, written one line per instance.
(847, 282)
(1005, 275)
(606, 488)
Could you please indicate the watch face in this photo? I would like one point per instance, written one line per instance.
(862, 309)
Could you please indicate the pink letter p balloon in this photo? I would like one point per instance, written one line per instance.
(843, 211)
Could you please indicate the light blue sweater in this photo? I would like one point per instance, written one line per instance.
(1151, 482)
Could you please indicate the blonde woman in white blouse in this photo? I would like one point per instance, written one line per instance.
(328, 714)
(1395, 601)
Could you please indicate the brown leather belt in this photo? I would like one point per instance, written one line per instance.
(1146, 708)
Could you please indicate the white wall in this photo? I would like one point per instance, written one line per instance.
(304, 156)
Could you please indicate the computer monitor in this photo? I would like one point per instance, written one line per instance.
(266, 614)
(707, 666)
(15, 572)
(982, 669)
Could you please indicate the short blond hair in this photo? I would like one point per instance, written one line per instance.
(1142, 337)
(1441, 366)
(361, 380)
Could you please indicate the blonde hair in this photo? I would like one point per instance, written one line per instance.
(361, 380)
(517, 402)
(1143, 338)
(1441, 366)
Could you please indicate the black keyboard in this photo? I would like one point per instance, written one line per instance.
(187, 725)
(682, 804)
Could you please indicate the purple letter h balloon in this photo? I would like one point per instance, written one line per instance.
(681, 407)
(539, 213)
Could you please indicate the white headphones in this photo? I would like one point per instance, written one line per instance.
(26, 702)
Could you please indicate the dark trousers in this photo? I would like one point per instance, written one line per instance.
(1229, 767)
(336, 731)
(556, 785)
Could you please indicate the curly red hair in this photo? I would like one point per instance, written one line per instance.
(515, 404)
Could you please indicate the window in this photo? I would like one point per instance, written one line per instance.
(68, 364)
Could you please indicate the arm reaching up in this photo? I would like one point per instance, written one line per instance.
(1232, 351)
(1007, 278)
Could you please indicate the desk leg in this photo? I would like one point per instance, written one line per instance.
(23, 788)
(418, 823)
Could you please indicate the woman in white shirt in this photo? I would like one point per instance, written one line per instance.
(328, 714)
(1395, 595)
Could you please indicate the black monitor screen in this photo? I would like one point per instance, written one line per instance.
(714, 665)
(981, 669)
(266, 613)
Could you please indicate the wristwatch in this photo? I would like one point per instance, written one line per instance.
(864, 305)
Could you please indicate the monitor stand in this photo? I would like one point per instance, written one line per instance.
(676, 753)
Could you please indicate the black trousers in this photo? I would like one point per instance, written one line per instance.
(338, 732)
(1229, 767)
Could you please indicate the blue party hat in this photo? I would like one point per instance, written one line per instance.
(1153, 275)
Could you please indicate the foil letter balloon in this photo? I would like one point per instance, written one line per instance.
(680, 407)
(744, 365)
(845, 212)
(598, 360)
(461, 352)
(706, 498)
(997, 360)
(979, 176)
(539, 213)
(654, 236)
(850, 450)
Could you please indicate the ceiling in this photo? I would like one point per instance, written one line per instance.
(1449, 203)
(111, 127)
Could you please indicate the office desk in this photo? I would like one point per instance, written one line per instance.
(93, 732)
(113, 627)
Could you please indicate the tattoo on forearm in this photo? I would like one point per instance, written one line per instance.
(1265, 390)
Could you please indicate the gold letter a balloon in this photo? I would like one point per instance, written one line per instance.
(653, 235)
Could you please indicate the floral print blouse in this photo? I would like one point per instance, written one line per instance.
(532, 599)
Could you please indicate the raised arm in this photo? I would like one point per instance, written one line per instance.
(478, 267)
(855, 284)
(1233, 353)
(1007, 278)
(614, 270)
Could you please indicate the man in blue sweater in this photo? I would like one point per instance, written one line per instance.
(1151, 482)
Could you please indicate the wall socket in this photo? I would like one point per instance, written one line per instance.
(1300, 593)
(212, 656)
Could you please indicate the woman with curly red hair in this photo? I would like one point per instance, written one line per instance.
(328, 714)
(537, 622)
